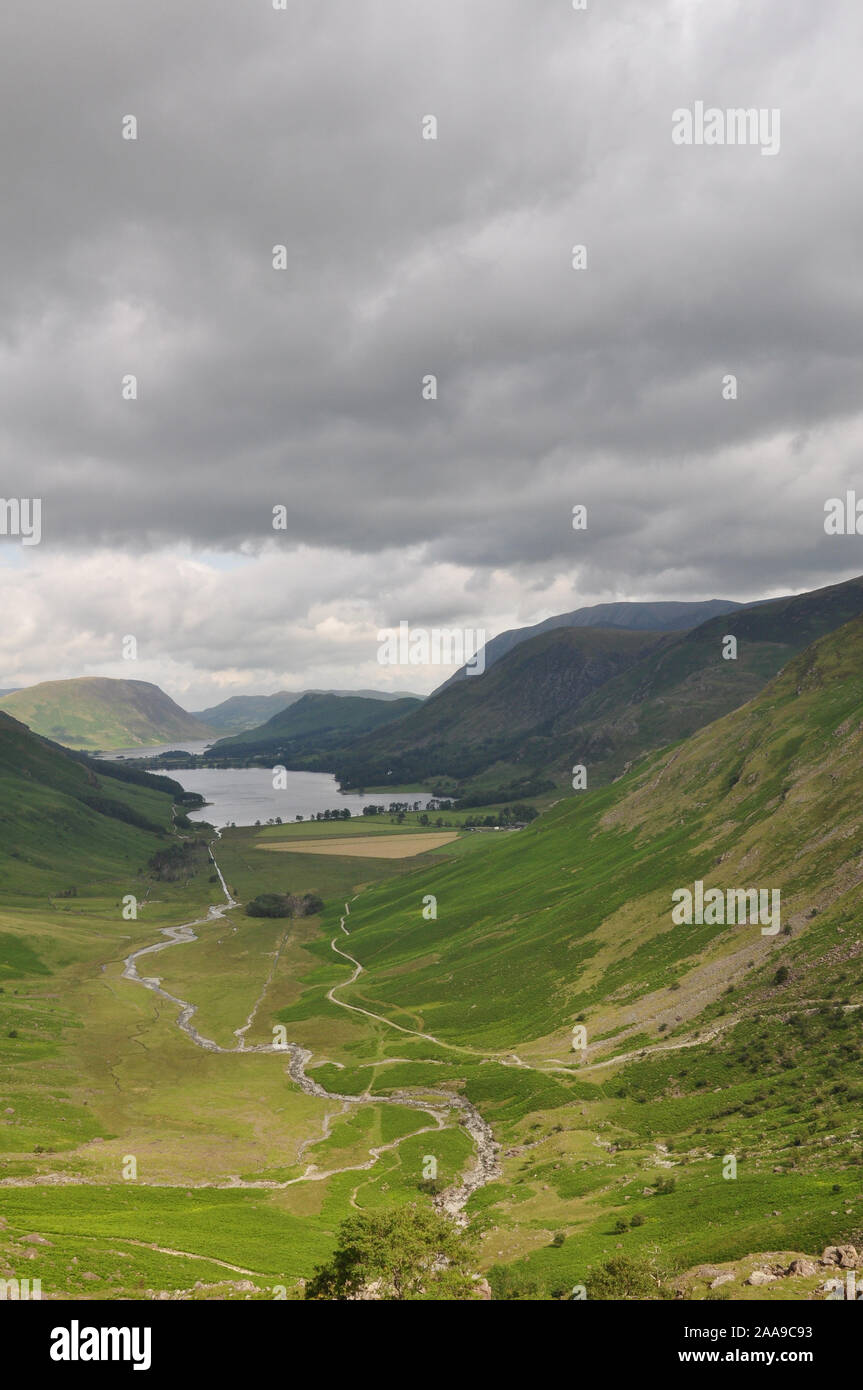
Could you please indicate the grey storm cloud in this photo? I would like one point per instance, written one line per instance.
(406, 257)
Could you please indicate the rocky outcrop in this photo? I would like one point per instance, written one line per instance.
(843, 1256)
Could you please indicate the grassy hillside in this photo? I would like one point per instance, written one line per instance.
(65, 819)
(313, 724)
(94, 712)
(702, 1041)
(746, 799)
(465, 737)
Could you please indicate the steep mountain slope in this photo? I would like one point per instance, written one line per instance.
(95, 712)
(688, 683)
(580, 905)
(634, 617)
(314, 723)
(486, 721)
(680, 683)
(243, 712)
(700, 1041)
(65, 818)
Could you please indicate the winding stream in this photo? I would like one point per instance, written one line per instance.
(434, 1103)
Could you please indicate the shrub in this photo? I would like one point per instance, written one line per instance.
(624, 1279)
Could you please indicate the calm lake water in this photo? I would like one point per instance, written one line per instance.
(243, 795)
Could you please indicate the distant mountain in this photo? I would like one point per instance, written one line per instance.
(96, 712)
(242, 712)
(662, 616)
(315, 723)
(558, 700)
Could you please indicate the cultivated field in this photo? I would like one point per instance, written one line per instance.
(368, 846)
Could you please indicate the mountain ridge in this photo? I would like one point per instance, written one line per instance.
(240, 713)
(663, 615)
(680, 683)
(312, 722)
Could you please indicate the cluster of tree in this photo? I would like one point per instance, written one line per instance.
(285, 905)
(448, 773)
(448, 761)
(179, 860)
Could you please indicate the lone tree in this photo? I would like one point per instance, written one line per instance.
(411, 1252)
(624, 1279)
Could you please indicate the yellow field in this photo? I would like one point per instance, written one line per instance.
(367, 846)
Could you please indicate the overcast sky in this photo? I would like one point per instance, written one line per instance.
(406, 257)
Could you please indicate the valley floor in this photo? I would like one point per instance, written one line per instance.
(194, 1100)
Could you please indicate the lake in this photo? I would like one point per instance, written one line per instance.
(244, 795)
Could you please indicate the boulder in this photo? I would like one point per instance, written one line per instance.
(722, 1279)
(843, 1256)
(759, 1277)
(802, 1269)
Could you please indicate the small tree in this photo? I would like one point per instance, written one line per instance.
(409, 1253)
(625, 1279)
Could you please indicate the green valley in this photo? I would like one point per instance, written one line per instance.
(430, 1018)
